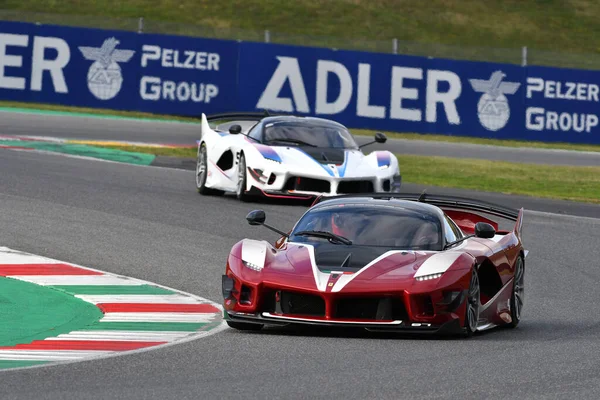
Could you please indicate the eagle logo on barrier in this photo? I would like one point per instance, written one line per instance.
(493, 110)
(104, 77)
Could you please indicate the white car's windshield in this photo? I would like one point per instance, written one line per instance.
(286, 133)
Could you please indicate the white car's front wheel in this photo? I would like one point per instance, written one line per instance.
(242, 178)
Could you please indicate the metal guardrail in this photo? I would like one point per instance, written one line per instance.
(518, 55)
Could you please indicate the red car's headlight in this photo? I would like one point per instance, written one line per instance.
(429, 277)
(252, 266)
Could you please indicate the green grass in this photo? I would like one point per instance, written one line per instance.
(547, 181)
(483, 141)
(554, 182)
(569, 25)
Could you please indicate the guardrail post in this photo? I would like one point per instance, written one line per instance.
(141, 25)
(524, 56)
(395, 46)
(267, 36)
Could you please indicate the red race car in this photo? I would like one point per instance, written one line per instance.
(388, 262)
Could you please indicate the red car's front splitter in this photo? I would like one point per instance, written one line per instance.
(451, 327)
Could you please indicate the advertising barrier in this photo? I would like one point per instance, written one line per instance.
(187, 76)
(116, 70)
(383, 91)
(561, 105)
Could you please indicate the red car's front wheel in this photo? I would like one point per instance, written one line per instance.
(473, 304)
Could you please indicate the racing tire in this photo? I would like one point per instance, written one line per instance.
(473, 305)
(202, 172)
(242, 179)
(517, 298)
(241, 326)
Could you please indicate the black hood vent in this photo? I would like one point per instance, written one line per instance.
(332, 257)
(325, 156)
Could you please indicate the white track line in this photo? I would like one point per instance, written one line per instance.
(133, 336)
(50, 355)
(139, 298)
(157, 317)
(69, 280)
(16, 258)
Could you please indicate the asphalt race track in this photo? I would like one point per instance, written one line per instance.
(149, 223)
(179, 133)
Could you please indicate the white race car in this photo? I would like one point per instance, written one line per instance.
(282, 156)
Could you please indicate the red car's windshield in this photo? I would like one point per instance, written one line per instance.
(369, 225)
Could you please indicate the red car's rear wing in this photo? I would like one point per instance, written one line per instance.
(440, 201)
(452, 205)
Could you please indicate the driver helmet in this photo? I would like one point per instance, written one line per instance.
(347, 224)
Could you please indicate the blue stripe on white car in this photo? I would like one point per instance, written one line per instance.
(268, 152)
(383, 159)
(342, 168)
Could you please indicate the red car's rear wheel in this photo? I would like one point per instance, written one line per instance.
(518, 293)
